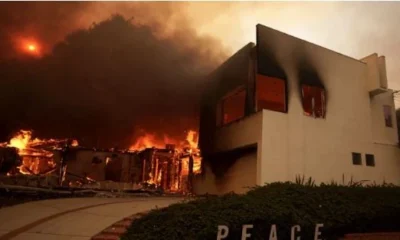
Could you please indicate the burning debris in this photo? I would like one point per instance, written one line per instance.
(36, 154)
(168, 165)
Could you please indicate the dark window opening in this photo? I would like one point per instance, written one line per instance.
(370, 160)
(270, 93)
(314, 103)
(232, 107)
(388, 115)
(356, 158)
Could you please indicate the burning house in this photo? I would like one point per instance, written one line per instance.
(169, 168)
(284, 107)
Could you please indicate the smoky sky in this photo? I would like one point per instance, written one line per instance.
(53, 94)
(106, 81)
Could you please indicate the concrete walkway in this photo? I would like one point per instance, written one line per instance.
(71, 219)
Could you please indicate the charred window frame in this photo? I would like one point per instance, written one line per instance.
(271, 94)
(314, 101)
(231, 107)
(387, 111)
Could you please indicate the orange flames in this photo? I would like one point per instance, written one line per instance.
(21, 140)
(34, 160)
(147, 141)
(151, 141)
(192, 139)
(74, 143)
(183, 150)
(169, 169)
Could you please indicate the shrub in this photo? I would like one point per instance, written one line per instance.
(342, 209)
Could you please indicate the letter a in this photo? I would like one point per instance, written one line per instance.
(272, 233)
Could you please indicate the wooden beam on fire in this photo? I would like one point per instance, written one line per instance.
(190, 176)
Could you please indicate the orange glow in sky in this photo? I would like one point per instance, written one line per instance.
(28, 46)
(31, 47)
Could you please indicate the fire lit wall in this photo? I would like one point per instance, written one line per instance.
(103, 165)
(83, 164)
(230, 76)
(123, 167)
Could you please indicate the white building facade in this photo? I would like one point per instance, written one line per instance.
(286, 107)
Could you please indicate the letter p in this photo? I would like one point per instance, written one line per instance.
(223, 232)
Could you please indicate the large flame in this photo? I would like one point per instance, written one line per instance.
(21, 140)
(192, 139)
(37, 156)
(34, 159)
(148, 140)
(186, 147)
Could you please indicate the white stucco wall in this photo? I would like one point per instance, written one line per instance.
(242, 133)
(381, 133)
(291, 144)
(374, 72)
(237, 134)
(294, 144)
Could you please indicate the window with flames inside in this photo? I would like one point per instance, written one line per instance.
(314, 101)
(231, 107)
(270, 93)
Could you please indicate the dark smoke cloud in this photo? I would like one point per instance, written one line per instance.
(103, 83)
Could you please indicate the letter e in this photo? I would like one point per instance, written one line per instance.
(318, 231)
(246, 235)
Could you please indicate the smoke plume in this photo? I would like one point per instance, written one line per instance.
(106, 71)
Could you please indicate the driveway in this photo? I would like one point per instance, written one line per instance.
(71, 219)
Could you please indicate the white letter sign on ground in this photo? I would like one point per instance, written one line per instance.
(246, 235)
(222, 232)
(272, 233)
(318, 231)
(295, 229)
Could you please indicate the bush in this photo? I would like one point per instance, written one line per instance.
(342, 209)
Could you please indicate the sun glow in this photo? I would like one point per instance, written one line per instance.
(31, 47)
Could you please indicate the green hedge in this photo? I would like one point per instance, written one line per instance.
(342, 209)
